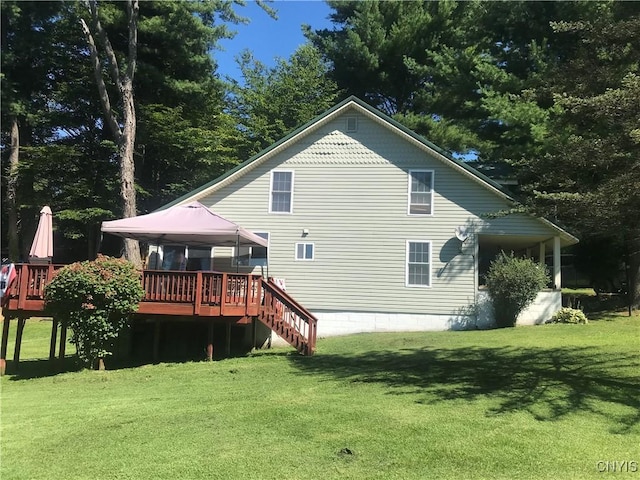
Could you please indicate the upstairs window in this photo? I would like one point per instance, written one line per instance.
(420, 192)
(281, 200)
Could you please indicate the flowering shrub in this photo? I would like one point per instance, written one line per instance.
(569, 315)
(513, 284)
(95, 298)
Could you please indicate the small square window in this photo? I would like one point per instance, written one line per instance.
(304, 251)
(352, 124)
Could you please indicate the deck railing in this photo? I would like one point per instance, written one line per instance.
(185, 294)
(191, 293)
(288, 318)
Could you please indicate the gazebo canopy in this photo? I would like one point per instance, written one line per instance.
(192, 224)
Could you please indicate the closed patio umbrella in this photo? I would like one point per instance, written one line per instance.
(42, 246)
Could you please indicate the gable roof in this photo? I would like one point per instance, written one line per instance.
(354, 103)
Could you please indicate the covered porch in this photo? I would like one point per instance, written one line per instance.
(545, 250)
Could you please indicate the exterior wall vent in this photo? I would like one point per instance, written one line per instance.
(352, 124)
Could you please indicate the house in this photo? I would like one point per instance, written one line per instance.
(373, 228)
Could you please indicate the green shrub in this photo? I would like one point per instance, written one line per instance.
(569, 315)
(513, 284)
(95, 298)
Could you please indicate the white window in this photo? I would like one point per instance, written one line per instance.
(418, 264)
(281, 196)
(252, 256)
(420, 192)
(304, 251)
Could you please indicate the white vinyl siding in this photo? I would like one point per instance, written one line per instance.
(305, 251)
(418, 273)
(281, 193)
(420, 192)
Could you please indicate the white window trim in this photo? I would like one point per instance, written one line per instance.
(233, 251)
(406, 264)
(271, 191)
(433, 177)
(313, 252)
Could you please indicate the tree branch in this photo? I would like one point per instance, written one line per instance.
(109, 115)
(114, 70)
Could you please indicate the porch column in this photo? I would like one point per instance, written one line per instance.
(557, 271)
(541, 254)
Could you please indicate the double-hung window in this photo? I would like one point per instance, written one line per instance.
(418, 272)
(420, 192)
(281, 198)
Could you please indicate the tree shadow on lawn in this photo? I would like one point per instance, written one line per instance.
(547, 383)
(41, 367)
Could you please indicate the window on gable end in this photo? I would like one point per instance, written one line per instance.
(420, 192)
(281, 195)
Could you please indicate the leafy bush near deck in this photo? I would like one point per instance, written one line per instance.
(95, 298)
(513, 284)
(569, 315)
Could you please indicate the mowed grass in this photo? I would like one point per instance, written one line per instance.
(542, 402)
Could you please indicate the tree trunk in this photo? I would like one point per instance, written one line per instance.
(101, 366)
(125, 136)
(127, 168)
(12, 184)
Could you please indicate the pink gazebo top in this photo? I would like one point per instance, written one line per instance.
(191, 224)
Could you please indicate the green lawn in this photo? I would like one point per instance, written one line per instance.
(531, 402)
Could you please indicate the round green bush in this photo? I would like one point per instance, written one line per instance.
(95, 298)
(513, 284)
(569, 315)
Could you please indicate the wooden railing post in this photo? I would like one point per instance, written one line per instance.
(198, 298)
(223, 294)
(24, 284)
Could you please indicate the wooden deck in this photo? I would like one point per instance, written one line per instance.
(233, 298)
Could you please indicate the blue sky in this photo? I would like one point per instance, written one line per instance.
(268, 38)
